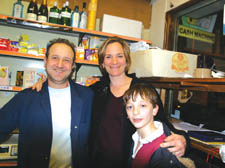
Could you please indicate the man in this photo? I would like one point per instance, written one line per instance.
(53, 123)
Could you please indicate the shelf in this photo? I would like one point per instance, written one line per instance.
(8, 163)
(86, 62)
(17, 54)
(11, 88)
(60, 28)
(209, 149)
(195, 84)
(213, 55)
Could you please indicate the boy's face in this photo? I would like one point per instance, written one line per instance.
(141, 112)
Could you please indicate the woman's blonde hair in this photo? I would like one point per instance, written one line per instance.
(102, 50)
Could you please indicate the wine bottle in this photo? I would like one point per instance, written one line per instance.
(75, 17)
(60, 11)
(18, 9)
(43, 12)
(54, 14)
(66, 15)
(32, 10)
(83, 17)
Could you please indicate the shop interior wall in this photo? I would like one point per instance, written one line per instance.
(158, 15)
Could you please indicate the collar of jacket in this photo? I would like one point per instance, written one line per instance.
(102, 87)
(45, 84)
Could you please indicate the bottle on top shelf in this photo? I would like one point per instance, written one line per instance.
(83, 17)
(92, 9)
(75, 17)
(32, 10)
(17, 9)
(60, 12)
(54, 14)
(66, 15)
(43, 12)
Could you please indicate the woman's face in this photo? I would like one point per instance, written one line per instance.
(114, 60)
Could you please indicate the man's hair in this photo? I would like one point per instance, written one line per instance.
(103, 47)
(144, 90)
(61, 41)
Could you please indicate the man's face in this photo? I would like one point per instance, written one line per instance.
(59, 65)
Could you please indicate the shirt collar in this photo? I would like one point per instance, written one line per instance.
(157, 133)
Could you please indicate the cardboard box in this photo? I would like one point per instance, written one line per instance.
(162, 63)
(121, 26)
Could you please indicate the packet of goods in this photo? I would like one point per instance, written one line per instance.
(24, 37)
(4, 75)
(4, 44)
(91, 55)
(80, 53)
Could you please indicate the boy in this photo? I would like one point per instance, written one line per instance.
(142, 105)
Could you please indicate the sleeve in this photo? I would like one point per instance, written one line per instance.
(9, 116)
(163, 158)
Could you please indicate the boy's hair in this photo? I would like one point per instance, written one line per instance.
(62, 41)
(144, 90)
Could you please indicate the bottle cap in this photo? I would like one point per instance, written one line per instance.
(84, 5)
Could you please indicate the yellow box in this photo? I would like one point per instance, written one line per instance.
(162, 63)
(80, 53)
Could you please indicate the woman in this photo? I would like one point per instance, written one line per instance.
(111, 131)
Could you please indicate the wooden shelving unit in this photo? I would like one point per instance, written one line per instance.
(8, 163)
(11, 88)
(17, 54)
(195, 84)
(61, 28)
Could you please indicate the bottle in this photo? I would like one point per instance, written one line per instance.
(75, 17)
(92, 9)
(43, 12)
(60, 11)
(32, 10)
(66, 15)
(83, 17)
(17, 9)
(177, 111)
(54, 14)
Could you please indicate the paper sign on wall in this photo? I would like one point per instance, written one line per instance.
(195, 34)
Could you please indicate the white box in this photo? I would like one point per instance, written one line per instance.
(162, 63)
(121, 26)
